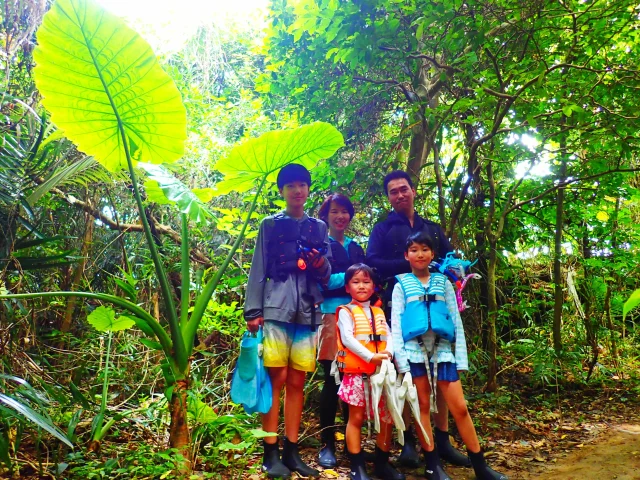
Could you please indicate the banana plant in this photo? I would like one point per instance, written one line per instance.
(107, 93)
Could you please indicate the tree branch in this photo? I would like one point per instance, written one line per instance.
(195, 255)
(569, 182)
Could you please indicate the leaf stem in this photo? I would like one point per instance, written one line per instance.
(140, 313)
(191, 327)
(186, 280)
(105, 390)
(174, 325)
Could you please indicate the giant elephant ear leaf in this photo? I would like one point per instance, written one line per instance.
(267, 154)
(104, 87)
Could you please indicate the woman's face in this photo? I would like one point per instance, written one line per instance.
(338, 217)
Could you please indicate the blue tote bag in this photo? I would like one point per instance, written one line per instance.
(250, 384)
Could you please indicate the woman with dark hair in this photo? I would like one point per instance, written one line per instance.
(337, 212)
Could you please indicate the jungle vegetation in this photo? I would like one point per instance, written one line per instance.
(131, 188)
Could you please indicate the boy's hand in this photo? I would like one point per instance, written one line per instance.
(378, 358)
(315, 259)
(255, 324)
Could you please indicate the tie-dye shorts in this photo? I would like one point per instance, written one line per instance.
(289, 345)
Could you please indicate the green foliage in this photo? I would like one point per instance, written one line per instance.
(631, 303)
(104, 87)
(24, 401)
(481, 92)
(141, 462)
(162, 188)
(226, 319)
(264, 156)
(104, 319)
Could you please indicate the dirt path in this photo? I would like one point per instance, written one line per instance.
(612, 454)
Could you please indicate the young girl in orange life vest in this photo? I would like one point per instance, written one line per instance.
(364, 342)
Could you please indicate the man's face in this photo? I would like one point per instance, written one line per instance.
(295, 193)
(401, 195)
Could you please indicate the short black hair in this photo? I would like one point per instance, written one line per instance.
(342, 200)
(395, 175)
(421, 238)
(357, 268)
(293, 172)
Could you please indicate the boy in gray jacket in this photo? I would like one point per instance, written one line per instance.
(290, 259)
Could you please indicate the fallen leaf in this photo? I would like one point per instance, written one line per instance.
(339, 437)
(330, 473)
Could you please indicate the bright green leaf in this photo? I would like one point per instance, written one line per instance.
(101, 81)
(34, 417)
(201, 412)
(259, 433)
(205, 195)
(631, 303)
(164, 188)
(104, 319)
(267, 154)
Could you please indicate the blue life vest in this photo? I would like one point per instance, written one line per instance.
(425, 309)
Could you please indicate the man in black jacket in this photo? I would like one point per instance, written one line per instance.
(385, 253)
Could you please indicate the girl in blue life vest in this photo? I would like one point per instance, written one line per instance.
(364, 342)
(425, 322)
(336, 211)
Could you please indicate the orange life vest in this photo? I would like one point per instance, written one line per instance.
(372, 335)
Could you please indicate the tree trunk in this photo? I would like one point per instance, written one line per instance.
(492, 335)
(65, 325)
(607, 300)
(179, 435)
(418, 149)
(492, 301)
(438, 174)
(590, 326)
(557, 265)
(612, 333)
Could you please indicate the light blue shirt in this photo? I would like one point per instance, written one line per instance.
(336, 280)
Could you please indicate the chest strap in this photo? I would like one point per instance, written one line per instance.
(371, 338)
(426, 298)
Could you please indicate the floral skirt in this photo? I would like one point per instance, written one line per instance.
(352, 393)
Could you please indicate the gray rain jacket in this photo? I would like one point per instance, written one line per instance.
(284, 300)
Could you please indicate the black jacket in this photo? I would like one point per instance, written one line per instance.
(385, 251)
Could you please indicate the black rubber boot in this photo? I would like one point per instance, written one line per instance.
(409, 455)
(383, 469)
(446, 450)
(434, 470)
(483, 472)
(271, 464)
(291, 459)
(327, 455)
(357, 469)
(369, 457)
